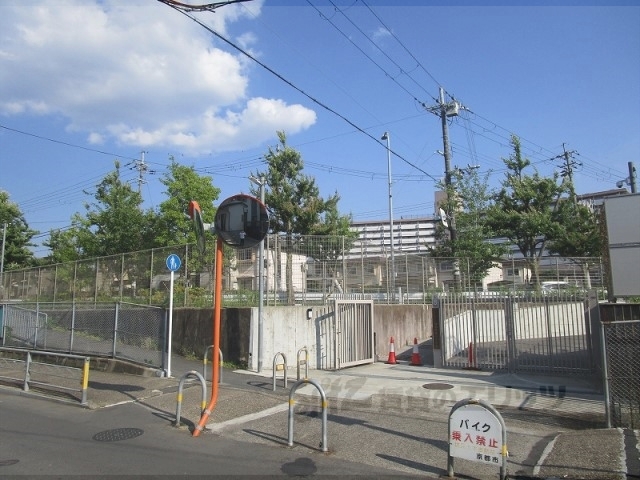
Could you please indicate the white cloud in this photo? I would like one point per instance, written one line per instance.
(137, 73)
(380, 34)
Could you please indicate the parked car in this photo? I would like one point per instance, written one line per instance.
(553, 286)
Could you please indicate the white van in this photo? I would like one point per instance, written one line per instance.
(555, 286)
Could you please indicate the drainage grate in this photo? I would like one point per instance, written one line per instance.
(437, 386)
(118, 434)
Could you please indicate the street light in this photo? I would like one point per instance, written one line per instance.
(386, 137)
(261, 182)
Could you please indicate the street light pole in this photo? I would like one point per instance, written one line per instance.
(261, 183)
(386, 137)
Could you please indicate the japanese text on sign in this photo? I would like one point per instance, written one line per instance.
(475, 434)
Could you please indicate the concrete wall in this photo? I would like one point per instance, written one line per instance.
(287, 330)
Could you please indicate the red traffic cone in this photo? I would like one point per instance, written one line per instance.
(392, 353)
(415, 355)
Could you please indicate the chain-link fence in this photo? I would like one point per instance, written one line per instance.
(120, 330)
(298, 270)
(622, 354)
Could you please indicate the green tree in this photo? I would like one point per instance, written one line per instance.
(63, 245)
(471, 201)
(578, 234)
(295, 203)
(183, 184)
(173, 226)
(17, 236)
(114, 223)
(523, 208)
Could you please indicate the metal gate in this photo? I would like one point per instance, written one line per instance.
(347, 335)
(533, 332)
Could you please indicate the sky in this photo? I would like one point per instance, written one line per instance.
(84, 84)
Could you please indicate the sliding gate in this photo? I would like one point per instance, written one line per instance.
(532, 333)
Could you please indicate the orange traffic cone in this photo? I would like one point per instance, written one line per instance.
(392, 353)
(415, 355)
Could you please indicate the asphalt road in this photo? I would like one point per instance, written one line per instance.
(382, 421)
(41, 437)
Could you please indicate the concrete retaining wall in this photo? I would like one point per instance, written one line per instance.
(287, 329)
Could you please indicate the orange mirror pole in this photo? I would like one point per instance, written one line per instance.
(215, 368)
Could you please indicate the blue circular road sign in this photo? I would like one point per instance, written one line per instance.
(173, 262)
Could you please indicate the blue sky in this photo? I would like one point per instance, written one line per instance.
(83, 84)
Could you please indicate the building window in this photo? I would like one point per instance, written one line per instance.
(245, 254)
(446, 266)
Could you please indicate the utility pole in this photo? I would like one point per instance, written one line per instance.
(141, 167)
(567, 169)
(444, 110)
(631, 180)
(632, 177)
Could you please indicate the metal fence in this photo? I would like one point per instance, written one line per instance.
(533, 333)
(622, 367)
(300, 270)
(121, 330)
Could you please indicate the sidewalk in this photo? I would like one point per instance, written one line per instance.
(397, 415)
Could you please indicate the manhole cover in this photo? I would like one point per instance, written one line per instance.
(117, 434)
(437, 386)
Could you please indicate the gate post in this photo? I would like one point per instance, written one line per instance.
(509, 333)
(436, 332)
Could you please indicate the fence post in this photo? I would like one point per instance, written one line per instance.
(115, 328)
(73, 326)
(605, 375)
(85, 380)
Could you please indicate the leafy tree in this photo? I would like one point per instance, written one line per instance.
(115, 222)
(18, 235)
(578, 234)
(63, 245)
(523, 211)
(295, 203)
(471, 201)
(183, 184)
(173, 227)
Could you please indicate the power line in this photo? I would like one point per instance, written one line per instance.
(298, 89)
(64, 143)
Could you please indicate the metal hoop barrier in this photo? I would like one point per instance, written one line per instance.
(279, 366)
(323, 404)
(204, 362)
(304, 361)
(203, 405)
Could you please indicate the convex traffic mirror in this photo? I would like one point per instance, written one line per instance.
(242, 221)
